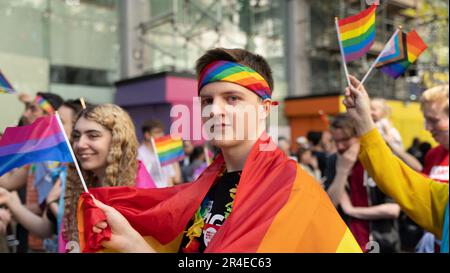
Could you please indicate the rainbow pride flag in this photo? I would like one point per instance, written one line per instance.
(278, 207)
(357, 33)
(169, 149)
(414, 47)
(41, 141)
(5, 86)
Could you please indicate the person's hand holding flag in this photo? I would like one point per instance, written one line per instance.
(357, 102)
(124, 237)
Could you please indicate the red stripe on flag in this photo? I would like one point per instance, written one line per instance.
(357, 17)
(416, 43)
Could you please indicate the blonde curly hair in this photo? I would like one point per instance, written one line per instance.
(122, 162)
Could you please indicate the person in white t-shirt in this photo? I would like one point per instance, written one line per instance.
(165, 176)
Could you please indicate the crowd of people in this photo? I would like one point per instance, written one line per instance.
(385, 193)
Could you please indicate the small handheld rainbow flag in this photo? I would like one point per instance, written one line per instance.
(169, 149)
(5, 86)
(44, 140)
(414, 48)
(357, 34)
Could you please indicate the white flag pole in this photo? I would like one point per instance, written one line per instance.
(342, 50)
(83, 103)
(161, 175)
(374, 63)
(71, 152)
(206, 151)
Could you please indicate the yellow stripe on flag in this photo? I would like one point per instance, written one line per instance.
(360, 22)
(358, 31)
(308, 222)
(242, 75)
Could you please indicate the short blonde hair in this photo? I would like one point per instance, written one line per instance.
(387, 110)
(438, 94)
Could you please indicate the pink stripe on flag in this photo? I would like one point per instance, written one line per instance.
(41, 128)
(32, 145)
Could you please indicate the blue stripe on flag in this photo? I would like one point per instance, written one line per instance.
(58, 153)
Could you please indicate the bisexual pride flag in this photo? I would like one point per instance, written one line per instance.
(43, 140)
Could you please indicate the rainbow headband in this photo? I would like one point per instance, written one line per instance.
(244, 76)
(44, 104)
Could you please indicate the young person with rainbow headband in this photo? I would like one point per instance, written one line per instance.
(252, 198)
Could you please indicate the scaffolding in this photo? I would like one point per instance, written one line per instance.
(177, 35)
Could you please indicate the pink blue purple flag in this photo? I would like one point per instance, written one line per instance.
(43, 140)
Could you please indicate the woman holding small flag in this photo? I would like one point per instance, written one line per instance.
(252, 198)
(105, 144)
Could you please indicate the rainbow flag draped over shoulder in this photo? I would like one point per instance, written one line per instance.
(414, 48)
(277, 208)
(5, 86)
(169, 149)
(357, 33)
(41, 141)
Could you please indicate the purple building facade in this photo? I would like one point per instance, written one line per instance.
(153, 96)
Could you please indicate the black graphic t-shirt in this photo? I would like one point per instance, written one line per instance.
(211, 215)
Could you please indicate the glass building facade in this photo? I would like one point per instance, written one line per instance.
(66, 47)
(77, 47)
(179, 32)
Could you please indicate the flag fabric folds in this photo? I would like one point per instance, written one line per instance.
(169, 150)
(414, 48)
(41, 141)
(277, 208)
(5, 86)
(395, 50)
(357, 33)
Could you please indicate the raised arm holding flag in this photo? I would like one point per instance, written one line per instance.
(356, 35)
